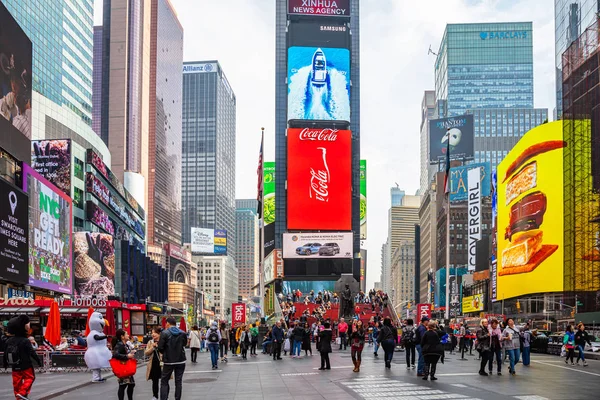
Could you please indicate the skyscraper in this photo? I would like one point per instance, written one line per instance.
(571, 17)
(247, 245)
(97, 81)
(208, 164)
(427, 113)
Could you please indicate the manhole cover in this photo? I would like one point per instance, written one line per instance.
(199, 380)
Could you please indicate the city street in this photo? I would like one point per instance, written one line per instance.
(260, 378)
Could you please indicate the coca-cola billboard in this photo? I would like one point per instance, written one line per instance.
(319, 179)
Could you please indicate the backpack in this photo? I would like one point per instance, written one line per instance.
(408, 337)
(213, 336)
(12, 353)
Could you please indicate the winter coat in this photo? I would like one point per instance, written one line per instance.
(26, 353)
(195, 338)
(387, 333)
(155, 358)
(430, 343)
(277, 334)
(325, 341)
(483, 339)
(172, 345)
(581, 338)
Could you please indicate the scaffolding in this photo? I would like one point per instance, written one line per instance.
(581, 169)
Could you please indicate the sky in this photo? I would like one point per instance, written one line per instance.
(395, 36)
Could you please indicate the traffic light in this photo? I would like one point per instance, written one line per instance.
(518, 305)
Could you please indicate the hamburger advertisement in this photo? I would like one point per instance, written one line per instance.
(530, 214)
(94, 263)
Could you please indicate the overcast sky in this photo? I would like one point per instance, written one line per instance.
(395, 70)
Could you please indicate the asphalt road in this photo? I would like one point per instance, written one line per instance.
(261, 378)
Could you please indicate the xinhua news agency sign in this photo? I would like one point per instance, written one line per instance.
(337, 8)
(503, 35)
(474, 211)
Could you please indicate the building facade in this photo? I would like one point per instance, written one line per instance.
(571, 18)
(403, 273)
(428, 212)
(97, 80)
(396, 196)
(208, 156)
(484, 65)
(247, 253)
(427, 113)
(218, 279)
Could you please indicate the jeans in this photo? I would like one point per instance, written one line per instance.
(343, 340)
(410, 355)
(513, 356)
(214, 353)
(223, 348)
(375, 346)
(164, 380)
(253, 347)
(526, 355)
(498, 353)
(388, 349)
(297, 348)
(580, 355)
(421, 362)
(265, 344)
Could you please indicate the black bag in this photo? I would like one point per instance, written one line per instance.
(408, 338)
(13, 354)
(213, 336)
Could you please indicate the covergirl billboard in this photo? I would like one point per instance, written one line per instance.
(319, 179)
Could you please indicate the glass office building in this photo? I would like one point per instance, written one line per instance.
(208, 155)
(571, 17)
(487, 65)
(247, 248)
(97, 80)
(62, 36)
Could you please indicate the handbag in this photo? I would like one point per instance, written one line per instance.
(338, 340)
(286, 345)
(123, 369)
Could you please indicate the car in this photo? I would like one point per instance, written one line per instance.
(308, 249)
(319, 68)
(329, 249)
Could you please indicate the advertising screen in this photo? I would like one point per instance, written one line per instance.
(50, 216)
(14, 234)
(99, 218)
(336, 33)
(332, 8)
(94, 263)
(52, 160)
(220, 242)
(319, 179)
(317, 245)
(458, 181)
(473, 303)
(363, 199)
(530, 210)
(318, 83)
(458, 131)
(306, 286)
(269, 206)
(209, 241)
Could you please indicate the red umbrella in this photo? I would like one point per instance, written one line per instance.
(87, 324)
(110, 329)
(182, 325)
(163, 322)
(52, 334)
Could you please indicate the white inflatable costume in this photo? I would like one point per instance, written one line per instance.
(97, 355)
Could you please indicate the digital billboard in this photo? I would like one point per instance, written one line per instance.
(336, 33)
(50, 230)
(331, 8)
(52, 160)
(319, 179)
(94, 263)
(98, 217)
(318, 83)
(14, 234)
(458, 131)
(363, 199)
(530, 210)
(307, 286)
(318, 245)
(473, 303)
(209, 241)
(269, 206)
(458, 181)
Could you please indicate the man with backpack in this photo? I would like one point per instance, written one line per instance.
(408, 341)
(419, 332)
(213, 338)
(18, 354)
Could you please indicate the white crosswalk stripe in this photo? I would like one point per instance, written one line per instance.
(376, 387)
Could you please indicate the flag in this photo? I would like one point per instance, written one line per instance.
(260, 174)
(447, 174)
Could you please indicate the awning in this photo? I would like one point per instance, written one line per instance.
(18, 310)
(71, 311)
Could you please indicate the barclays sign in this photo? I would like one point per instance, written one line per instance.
(503, 35)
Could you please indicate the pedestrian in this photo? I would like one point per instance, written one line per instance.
(306, 346)
(213, 337)
(122, 352)
(342, 333)
(245, 341)
(324, 346)
(267, 340)
(581, 338)
(194, 340)
(495, 346)
(419, 332)
(432, 350)
(277, 336)
(484, 346)
(18, 355)
(511, 343)
(153, 368)
(357, 343)
(388, 338)
(224, 342)
(526, 345)
(171, 345)
(569, 342)
(376, 331)
(253, 338)
(232, 340)
(408, 341)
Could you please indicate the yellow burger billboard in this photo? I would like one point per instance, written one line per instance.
(530, 214)
(473, 303)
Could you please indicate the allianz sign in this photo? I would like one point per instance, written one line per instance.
(503, 35)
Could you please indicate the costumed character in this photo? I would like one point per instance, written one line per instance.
(97, 355)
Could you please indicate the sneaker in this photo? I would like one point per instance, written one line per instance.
(20, 396)
(483, 373)
(420, 374)
(408, 368)
(499, 373)
(572, 363)
(490, 373)
(413, 366)
(585, 364)
(154, 398)
(433, 378)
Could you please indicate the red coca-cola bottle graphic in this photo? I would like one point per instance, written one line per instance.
(319, 180)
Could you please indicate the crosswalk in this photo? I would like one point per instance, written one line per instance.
(376, 387)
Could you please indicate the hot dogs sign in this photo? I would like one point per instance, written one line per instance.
(530, 214)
